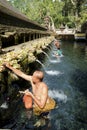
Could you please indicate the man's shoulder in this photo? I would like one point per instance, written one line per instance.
(44, 85)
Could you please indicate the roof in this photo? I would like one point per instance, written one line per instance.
(7, 8)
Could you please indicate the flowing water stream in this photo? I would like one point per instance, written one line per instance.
(66, 77)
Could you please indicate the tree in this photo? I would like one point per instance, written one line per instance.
(70, 12)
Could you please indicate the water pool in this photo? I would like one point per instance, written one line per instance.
(66, 77)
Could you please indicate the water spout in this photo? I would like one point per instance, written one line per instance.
(48, 48)
(51, 47)
(40, 63)
(46, 54)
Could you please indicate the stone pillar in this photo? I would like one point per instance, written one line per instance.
(27, 37)
(0, 44)
(36, 35)
(33, 36)
(16, 39)
(24, 35)
(39, 35)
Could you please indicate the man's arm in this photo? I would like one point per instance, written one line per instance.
(18, 72)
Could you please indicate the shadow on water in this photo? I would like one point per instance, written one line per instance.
(66, 78)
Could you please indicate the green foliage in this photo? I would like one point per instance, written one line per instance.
(70, 12)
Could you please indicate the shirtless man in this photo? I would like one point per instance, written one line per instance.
(57, 44)
(39, 88)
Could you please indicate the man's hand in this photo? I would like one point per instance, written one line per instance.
(21, 92)
(6, 65)
(27, 92)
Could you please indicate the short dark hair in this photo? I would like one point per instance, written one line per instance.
(39, 74)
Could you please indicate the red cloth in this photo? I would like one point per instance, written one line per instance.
(27, 101)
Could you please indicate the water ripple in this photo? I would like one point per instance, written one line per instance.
(55, 61)
(58, 94)
(53, 72)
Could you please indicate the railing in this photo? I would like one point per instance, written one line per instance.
(16, 28)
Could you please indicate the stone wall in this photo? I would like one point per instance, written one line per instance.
(22, 57)
(10, 35)
(84, 28)
(13, 17)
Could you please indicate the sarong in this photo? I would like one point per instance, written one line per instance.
(27, 101)
(49, 106)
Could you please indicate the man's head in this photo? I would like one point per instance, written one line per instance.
(37, 76)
